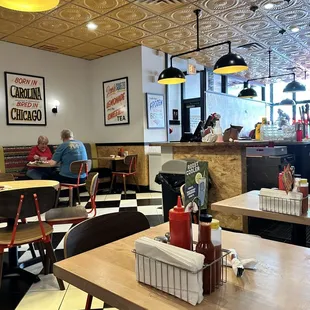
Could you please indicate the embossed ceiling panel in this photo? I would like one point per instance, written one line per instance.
(123, 24)
(130, 14)
(152, 41)
(52, 24)
(74, 14)
(100, 6)
(156, 24)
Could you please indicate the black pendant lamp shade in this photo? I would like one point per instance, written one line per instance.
(230, 63)
(171, 75)
(247, 92)
(294, 86)
(227, 64)
(288, 101)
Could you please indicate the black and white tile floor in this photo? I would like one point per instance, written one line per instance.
(17, 294)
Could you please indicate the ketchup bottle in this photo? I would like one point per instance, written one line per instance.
(180, 227)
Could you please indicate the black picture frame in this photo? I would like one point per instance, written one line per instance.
(151, 124)
(175, 114)
(7, 98)
(126, 91)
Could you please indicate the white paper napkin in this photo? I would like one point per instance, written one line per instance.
(185, 283)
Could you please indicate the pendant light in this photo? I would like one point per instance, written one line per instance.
(287, 101)
(227, 64)
(294, 86)
(29, 5)
(247, 92)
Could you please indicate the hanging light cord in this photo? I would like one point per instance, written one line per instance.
(269, 72)
(198, 48)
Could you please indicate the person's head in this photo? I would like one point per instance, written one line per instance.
(42, 143)
(66, 135)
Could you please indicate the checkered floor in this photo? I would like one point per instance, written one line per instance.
(37, 296)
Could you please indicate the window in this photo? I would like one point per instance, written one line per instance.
(191, 87)
(234, 85)
(278, 94)
(304, 95)
(267, 93)
(214, 82)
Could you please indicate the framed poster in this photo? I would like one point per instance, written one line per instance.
(25, 99)
(115, 102)
(155, 110)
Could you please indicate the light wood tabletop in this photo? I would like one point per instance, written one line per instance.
(13, 185)
(281, 281)
(248, 205)
(39, 165)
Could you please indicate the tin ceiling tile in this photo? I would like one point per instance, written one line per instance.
(130, 14)
(176, 34)
(107, 25)
(91, 57)
(89, 47)
(152, 41)
(23, 18)
(52, 24)
(126, 46)
(109, 41)
(161, 7)
(18, 40)
(34, 34)
(156, 24)
(130, 33)
(173, 48)
(74, 53)
(107, 52)
(100, 6)
(74, 14)
(8, 27)
(82, 33)
(63, 41)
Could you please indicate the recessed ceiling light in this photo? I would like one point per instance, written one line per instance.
(92, 26)
(268, 6)
(294, 28)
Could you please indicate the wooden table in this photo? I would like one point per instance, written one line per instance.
(248, 205)
(113, 160)
(39, 165)
(281, 280)
(13, 185)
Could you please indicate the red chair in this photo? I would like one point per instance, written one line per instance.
(77, 167)
(79, 213)
(131, 162)
(25, 203)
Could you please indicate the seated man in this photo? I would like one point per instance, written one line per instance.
(70, 150)
(39, 152)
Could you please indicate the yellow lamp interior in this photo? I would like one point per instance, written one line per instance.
(172, 81)
(230, 69)
(29, 5)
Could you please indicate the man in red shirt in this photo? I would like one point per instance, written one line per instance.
(39, 152)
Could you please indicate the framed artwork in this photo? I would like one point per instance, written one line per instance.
(116, 102)
(25, 99)
(155, 110)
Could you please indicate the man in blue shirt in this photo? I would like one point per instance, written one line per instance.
(70, 150)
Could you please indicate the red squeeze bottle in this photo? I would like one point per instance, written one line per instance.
(180, 227)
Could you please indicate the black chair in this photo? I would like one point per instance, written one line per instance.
(20, 204)
(106, 228)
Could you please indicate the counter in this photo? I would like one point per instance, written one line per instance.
(228, 170)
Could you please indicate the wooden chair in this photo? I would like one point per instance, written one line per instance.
(21, 204)
(79, 213)
(131, 162)
(77, 167)
(102, 230)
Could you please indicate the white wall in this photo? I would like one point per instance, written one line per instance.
(66, 80)
(124, 64)
(151, 63)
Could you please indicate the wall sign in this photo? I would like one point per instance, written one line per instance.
(25, 99)
(115, 102)
(155, 111)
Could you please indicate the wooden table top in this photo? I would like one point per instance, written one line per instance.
(109, 158)
(281, 281)
(248, 204)
(39, 165)
(13, 185)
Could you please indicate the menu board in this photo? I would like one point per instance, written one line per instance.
(25, 99)
(155, 111)
(115, 102)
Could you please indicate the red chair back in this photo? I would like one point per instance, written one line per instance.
(80, 166)
(131, 162)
